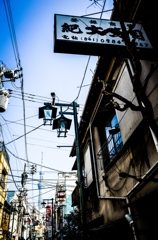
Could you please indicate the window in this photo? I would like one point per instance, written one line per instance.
(113, 141)
(113, 137)
(88, 166)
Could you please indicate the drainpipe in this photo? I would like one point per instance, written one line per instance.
(154, 138)
(132, 225)
(94, 162)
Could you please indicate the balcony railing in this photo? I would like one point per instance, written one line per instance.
(110, 148)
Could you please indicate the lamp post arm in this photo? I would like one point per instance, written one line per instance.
(68, 113)
(66, 105)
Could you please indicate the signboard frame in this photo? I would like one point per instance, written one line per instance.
(76, 35)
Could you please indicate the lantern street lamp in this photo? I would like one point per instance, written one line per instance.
(47, 113)
(43, 204)
(62, 124)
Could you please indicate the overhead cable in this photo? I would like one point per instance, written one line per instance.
(35, 163)
(24, 134)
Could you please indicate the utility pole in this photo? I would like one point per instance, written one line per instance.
(23, 182)
(33, 171)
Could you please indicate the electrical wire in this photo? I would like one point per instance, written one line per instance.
(19, 119)
(24, 135)
(13, 32)
(83, 78)
(17, 155)
(56, 148)
(29, 100)
(11, 137)
(39, 128)
(34, 163)
(85, 71)
(37, 97)
(13, 44)
(44, 140)
(109, 10)
(13, 177)
(18, 62)
(42, 193)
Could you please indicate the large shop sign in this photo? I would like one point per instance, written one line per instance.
(90, 36)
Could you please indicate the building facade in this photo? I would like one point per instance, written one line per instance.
(4, 170)
(63, 200)
(12, 199)
(118, 136)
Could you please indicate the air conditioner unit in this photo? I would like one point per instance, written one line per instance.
(114, 130)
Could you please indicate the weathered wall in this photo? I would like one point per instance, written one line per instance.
(99, 162)
(128, 120)
(152, 87)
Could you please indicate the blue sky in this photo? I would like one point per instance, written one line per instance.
(44, 72)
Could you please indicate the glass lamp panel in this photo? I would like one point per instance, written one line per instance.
(48, 114)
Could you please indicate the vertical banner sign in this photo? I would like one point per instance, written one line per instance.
(80, 35)
(48, 216)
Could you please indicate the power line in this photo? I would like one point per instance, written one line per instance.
(28, 100)
(19, 119)
(43, 140)
(33, 96)
(39, 128)
(41, 194)
(24, 135)
(11, 138)
(12, 40)
(13, 32)
(18, 62)
(109, 10)
(34, 162)
(83, 78)
(87, 62)
(39, 145)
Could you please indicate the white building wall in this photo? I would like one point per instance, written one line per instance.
(68, 181)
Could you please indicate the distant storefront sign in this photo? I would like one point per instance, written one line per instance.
(80, 35)
(1, 231)
(50, 233)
